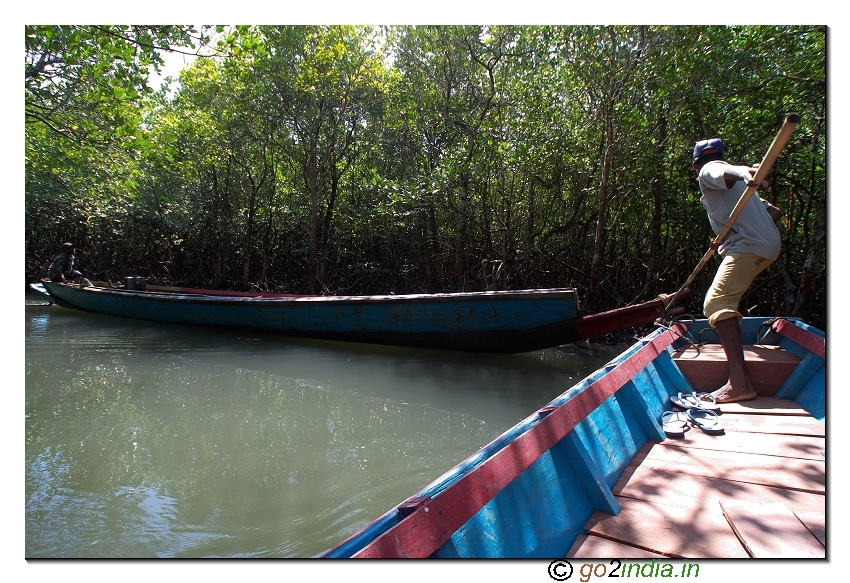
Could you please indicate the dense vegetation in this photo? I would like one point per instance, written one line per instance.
(343, 159)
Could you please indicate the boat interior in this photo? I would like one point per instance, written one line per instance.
(756, 490)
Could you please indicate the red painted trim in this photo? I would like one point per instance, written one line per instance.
(433, 523)
(622, 318)
(808, 340)
(619, 319)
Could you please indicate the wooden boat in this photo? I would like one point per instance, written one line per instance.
(592, 474)
(492, 321)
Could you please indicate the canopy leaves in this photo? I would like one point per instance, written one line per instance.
(353, 159)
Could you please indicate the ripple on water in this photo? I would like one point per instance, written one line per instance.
(164, 441)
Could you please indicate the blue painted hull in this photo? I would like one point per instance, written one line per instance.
(530, 492)
(497, 321)
(494, 321)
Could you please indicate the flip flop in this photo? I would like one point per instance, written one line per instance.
(687, 401)
(706, 420)
(674, 423)
(707, 401)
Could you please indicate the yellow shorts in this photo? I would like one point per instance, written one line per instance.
(734, 276)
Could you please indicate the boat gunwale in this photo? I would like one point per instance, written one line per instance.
(414, 526)
(554, 421)
(801, 334)
(554, 294)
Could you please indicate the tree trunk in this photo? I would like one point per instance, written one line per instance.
(313, 260)
(813, 265)
(461, 232)
(807, 292)
(654, 263)
(249, 238)
(436, 284)
(602, 216)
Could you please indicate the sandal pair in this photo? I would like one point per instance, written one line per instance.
(675, 423)
(695, 400)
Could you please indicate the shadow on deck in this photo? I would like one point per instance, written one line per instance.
(759, 490)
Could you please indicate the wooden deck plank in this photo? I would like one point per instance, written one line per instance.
(765, 406)
(669, 530)
(807, 475)
(688, 497)
(790, 446)
(774, 424)
(771, 531)
(594, 547)
(685, 490)
(815, 522)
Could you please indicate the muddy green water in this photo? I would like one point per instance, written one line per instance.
(147, 440)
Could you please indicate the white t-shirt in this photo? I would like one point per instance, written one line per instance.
(754, 231)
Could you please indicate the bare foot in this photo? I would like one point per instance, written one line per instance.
(726, 394)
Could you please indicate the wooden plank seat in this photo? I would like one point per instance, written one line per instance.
(707, 370)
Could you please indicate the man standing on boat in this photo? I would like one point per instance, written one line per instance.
(751, 246)
(62, 269)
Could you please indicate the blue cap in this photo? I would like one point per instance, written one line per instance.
(706, 147)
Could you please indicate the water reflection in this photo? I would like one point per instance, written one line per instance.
(147, 440)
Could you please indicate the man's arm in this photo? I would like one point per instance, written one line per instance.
(774, 212)
(733, 174)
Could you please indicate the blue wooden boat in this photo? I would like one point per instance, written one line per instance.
(589, 474)
(492, 321)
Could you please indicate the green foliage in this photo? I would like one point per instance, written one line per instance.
(407, 158)
(77, 78)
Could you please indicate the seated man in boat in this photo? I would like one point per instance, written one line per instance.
(750, 247)
(62, 269)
